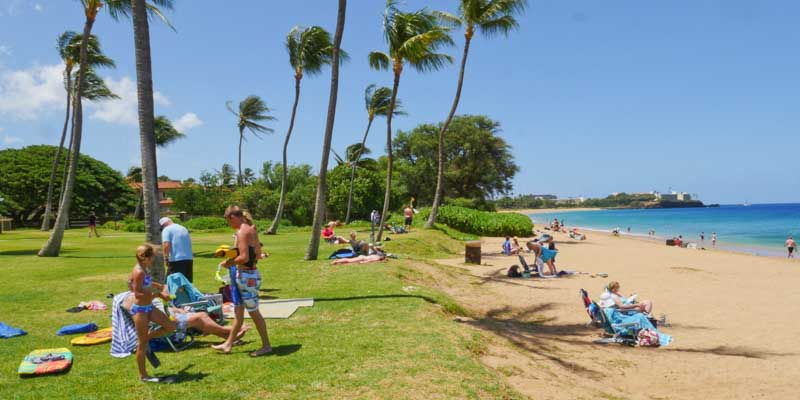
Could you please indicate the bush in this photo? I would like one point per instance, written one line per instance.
(205, 223)
(133, 226)
(475, 204)
(482, 223)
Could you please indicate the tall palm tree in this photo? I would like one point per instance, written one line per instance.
(413, 38)
(309, 50)
(376, 101)
(252, 111)
(94, 90)
(248, 176)
(91, 8)
(69, 47)
(351, 155)
(322, 184)
(165, 134)
(491, 17)
(226, 175)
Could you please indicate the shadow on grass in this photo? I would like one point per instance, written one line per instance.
(183, 376)
(377, 297)
(32, 252)
(285, 349)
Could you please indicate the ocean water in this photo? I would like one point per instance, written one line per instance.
(759, 228)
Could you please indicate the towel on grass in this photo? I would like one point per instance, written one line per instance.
(77, 328)
(123, 331)
(7, 331)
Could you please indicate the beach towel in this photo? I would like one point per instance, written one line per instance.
(183, 290)
(616, 317)
(123, 331)
(45, 361)
(7, 331)
(276, 308)
(342, 253)
(77, 328)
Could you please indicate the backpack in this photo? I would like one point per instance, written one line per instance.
(647, 338)
(513, 272)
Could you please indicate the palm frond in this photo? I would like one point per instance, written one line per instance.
(165, 132)
(253, 110)
(379, 60)
(94, 87)
(447, 19)
(338, 158)
(119, 9)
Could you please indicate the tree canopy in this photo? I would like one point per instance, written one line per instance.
(479, 163)
(24, 175)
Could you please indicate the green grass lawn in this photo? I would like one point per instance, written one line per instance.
(365, 337)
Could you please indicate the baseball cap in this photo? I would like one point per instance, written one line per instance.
(164, 220)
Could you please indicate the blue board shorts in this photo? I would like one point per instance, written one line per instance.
(244, 288)
(548, 254)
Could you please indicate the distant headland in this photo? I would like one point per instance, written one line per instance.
(614, 200)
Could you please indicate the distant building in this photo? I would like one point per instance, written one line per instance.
(164, 201)
(674, 196)
(683, 196)
(544, 196)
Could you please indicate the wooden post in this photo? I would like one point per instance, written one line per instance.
(472, 252)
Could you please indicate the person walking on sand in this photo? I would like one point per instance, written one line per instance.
(177, 245)
(713, 239)
(93, 225)
(245, 280)
(702, 237)
(790, 246)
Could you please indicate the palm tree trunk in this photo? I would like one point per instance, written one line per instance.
(437, 199)
(144, 95)
(66, 161)
(388, 195)
(278, 214)
(239, 172)
(322, 186)
(50, 187)
(137, 212)
(353, 172)
(53, 246)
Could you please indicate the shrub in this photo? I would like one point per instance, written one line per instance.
(475, 204)
(482, 223)
(133, 226)
(205, 223)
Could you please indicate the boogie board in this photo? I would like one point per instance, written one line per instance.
(96, 337)
(45, 361)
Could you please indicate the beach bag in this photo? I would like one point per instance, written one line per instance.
(77, 328)
(647, 338)
(513, 272)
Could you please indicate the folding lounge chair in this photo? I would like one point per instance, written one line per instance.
(591, 308)
(178, 340)
(624, 333)
(184, 295)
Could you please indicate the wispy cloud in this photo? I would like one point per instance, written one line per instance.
(38, 7)
(10, 140)
(123, 110)
(5, 50)
(28, 93)
(9, 7)
(187, 121)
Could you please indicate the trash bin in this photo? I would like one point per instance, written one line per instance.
(472, 252)
(182, 215)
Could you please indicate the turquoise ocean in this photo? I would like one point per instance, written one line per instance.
(758, 228)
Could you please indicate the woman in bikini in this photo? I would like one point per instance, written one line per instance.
(140, 306)
(245, 280)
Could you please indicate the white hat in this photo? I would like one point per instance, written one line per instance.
(164, 220)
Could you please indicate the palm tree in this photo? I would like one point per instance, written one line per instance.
(91, 8)
(322, 184)
(351, 155)
(309, 50)
(69, 47)
(248, 176)
(252, 110)
(376, 101)
(491, 17)
(165, 134)
(226, 175)
(414, 38)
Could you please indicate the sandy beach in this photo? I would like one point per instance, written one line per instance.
(732, 318)
(528, 211)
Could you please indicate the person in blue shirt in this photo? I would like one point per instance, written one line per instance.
(177, 247)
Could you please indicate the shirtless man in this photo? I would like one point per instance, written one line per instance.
(790, 245)
(409, 214)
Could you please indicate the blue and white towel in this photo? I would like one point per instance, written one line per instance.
(123, 331)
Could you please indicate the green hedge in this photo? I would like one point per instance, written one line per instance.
(482, 223)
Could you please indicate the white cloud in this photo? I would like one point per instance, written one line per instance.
(26, 94)
(10, 140)
(187, 121)
(123, 110)
(38, 7)
(5, 50)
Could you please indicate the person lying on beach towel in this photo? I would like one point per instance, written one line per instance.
(377, 257)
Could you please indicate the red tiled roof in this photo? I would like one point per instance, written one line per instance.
(162, 185)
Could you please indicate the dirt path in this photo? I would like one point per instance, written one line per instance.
(538, 338)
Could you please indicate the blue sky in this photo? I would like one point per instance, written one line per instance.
(595, 97)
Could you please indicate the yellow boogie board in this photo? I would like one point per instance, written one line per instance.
(96, 337)
(45, 361)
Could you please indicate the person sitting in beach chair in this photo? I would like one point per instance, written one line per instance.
(329, 236)
(574, 234)
(394, 229)
(611, 297)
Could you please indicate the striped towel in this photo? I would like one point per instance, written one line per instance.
(123, 331)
